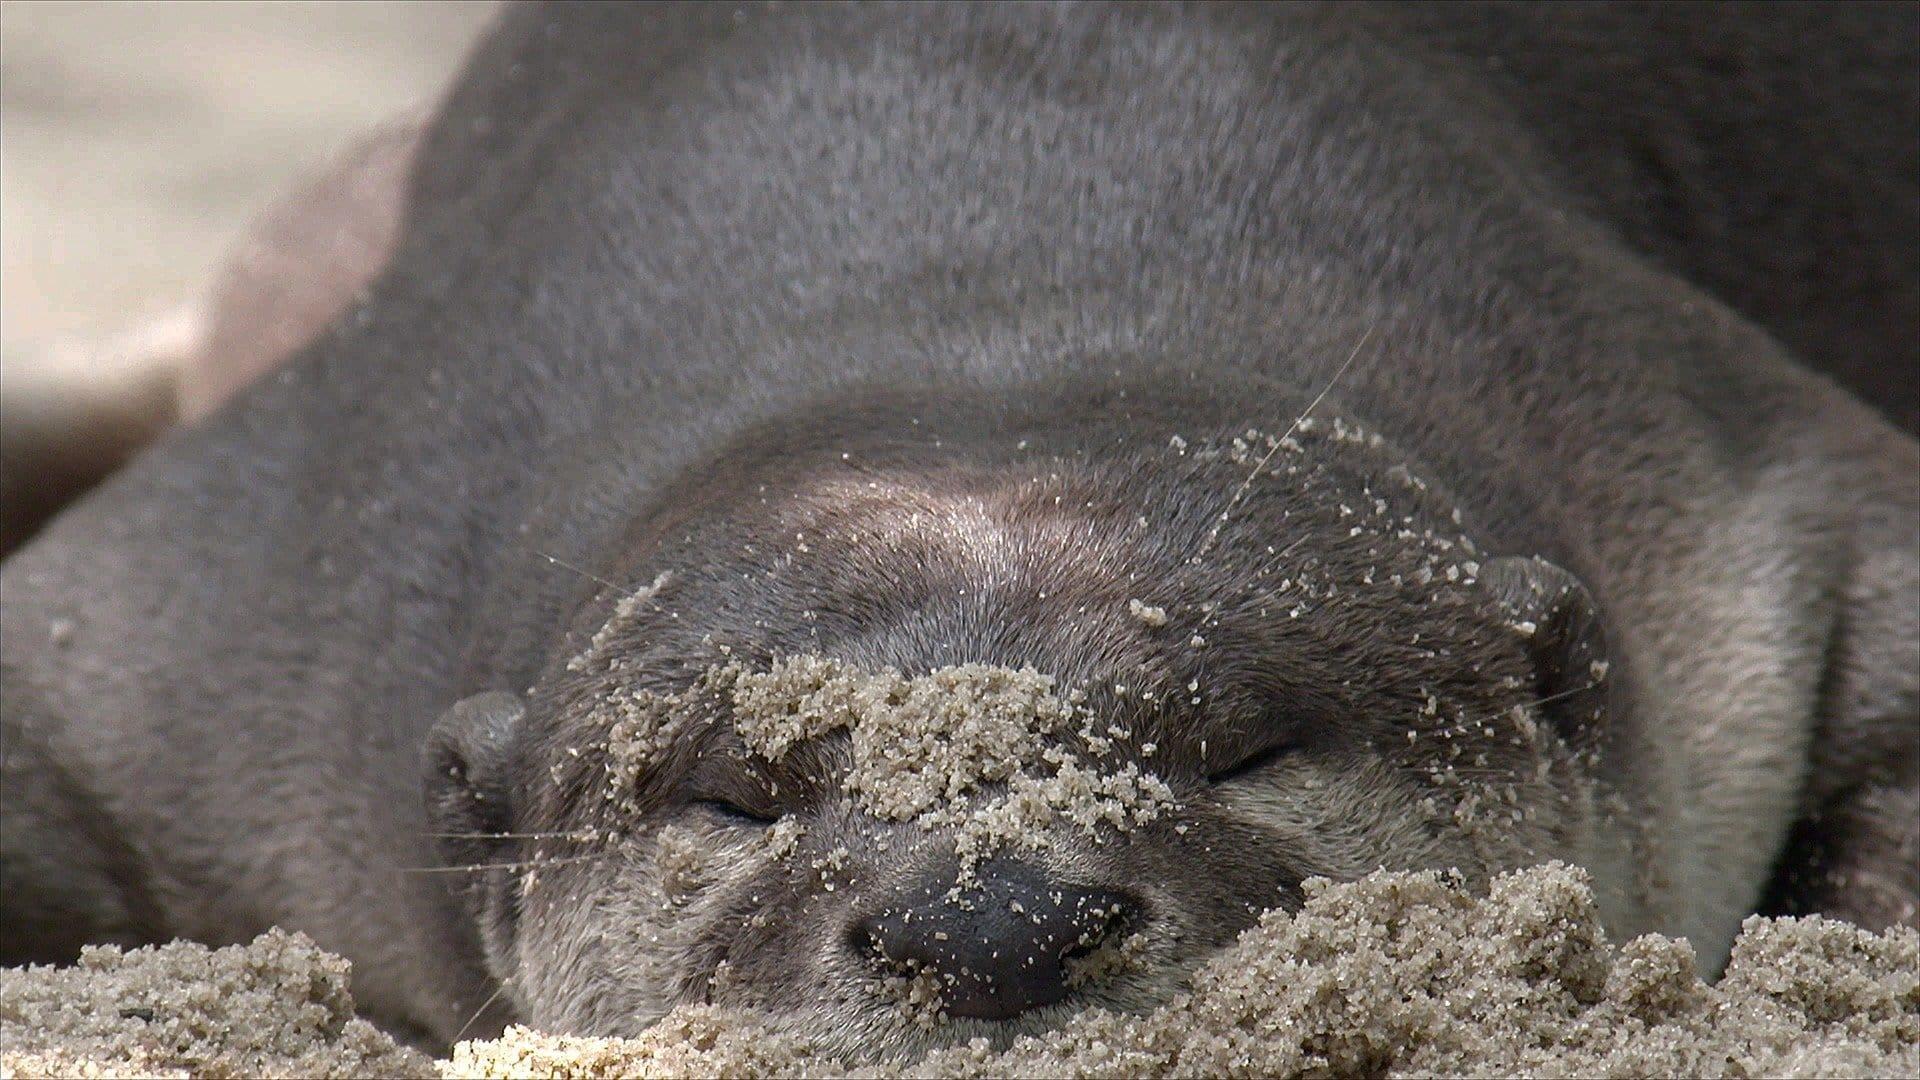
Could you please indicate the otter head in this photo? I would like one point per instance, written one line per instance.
(898, 749)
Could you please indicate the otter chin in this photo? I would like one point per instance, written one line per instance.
(901, 749)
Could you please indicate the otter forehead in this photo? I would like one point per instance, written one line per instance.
(881, 512)
(1237, 513)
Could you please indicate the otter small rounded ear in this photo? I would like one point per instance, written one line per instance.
(1565, 640)
(468, 758)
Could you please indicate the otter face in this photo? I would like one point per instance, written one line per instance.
(905, 756)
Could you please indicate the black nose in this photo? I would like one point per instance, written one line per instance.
(1000, 948)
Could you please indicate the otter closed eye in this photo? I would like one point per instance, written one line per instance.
(735, 814)
(1254, 764)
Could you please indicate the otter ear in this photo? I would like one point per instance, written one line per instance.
(1564, 639)
(468, 787)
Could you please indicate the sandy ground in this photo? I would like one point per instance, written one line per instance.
(1396, 975)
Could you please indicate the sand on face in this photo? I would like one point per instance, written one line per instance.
(1396, 974)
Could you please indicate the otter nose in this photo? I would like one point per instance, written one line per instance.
(1002, 948)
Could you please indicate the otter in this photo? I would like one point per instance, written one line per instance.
(919, 519)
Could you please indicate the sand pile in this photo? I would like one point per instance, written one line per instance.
(276, 1007)
(1398, 974)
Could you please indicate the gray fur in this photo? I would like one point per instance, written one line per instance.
(729, 292)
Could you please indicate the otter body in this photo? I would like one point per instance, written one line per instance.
(909, 338)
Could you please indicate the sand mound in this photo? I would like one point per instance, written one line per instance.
(1398, 974)
(276, 1007)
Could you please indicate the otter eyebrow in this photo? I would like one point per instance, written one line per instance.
(1219, 746)
(724, 755)
(730, 761)
(1260, 718)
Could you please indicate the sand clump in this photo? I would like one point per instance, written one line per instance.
(917, 743)
(921, 746)
(994, 757)
(1399, 974)
(276, 1007)
(1148, 614)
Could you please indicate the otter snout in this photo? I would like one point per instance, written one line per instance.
(1000, 948)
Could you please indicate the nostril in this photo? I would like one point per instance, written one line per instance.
(864, 939)
(860, 940)
(1102, 918)
(1102, 928)
(892, 944)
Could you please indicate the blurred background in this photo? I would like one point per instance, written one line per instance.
(138, 141)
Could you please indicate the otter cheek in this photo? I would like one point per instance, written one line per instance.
(689, 914)
(599, 950)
